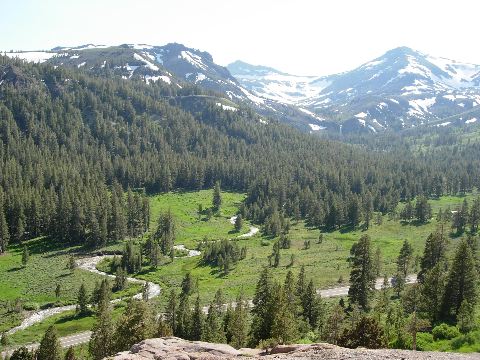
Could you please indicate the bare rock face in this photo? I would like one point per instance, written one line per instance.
(172, 348)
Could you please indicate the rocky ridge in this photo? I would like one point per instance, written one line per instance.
(173, 348)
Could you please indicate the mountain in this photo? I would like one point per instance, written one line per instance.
(173, 64)
(403, 88)
(276, 85)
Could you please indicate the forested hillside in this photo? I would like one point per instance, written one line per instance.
(71, 144)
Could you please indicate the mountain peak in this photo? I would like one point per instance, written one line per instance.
(240, 67)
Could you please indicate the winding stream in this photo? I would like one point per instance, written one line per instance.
(90, 264)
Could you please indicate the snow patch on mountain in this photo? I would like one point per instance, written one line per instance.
(419, 107)
(446, 123)
(361, 115)
(193, 59)
(165, 79)
(226, 107)
(312, 114)
(200, 77)
(32, 56)
(316, 127)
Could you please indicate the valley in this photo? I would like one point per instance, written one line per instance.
(320, 264)
(143, 188)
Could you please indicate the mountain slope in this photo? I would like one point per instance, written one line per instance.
(403, 88)
(173, 64)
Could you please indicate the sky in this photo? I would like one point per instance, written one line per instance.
(304, 37)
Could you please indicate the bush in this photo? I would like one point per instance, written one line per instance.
(462, 340)
(267, 344)
(366, 333)
(265, 243)
(444, 331)
(424, 341)
(31, 306)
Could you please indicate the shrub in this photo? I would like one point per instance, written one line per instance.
(467, 339)
(367, 333)
(424, 341)
(31, 306)
(444, 331)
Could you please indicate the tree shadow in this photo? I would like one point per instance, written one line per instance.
(43, 245)
(15, 269)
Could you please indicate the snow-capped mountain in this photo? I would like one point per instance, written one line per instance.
(169, 63)
(173, 64)
(402, 88)
(276, 85)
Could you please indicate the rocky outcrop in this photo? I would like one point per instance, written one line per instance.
(172, 348)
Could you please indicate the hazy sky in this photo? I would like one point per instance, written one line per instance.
(297, 36)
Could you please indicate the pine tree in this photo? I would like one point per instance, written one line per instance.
(4, 234)
(320, 238)
(217, 197)
(354, 212)
(461, 281)
(50, 348)
(275, 254)
(466, 317)
(407, 212)
(102, 294)
(171, 311)
(334, 324)
(290, 293)
(414, 325)
(197, 321)
(136, 324)
(423, 210)
(58, 291)
(183, 317)
(404, 258)
(102, 339)
(432, 289)
(362, 277)
(164, 234)
(368, 210)
(163, 329)
(71, 263)
(263, 308)
(25, 255)
(120, 279)
(377, 265)
(238, 324)
(284, 326)
(214, 326)
(21, 353)
(146, 291)
(238, 223)
(366, 333)
(312, 306)
(4, 341)
(187, 285)
(474, 217)
(460, 218)
(301, 283)
(70, 355)
(434, 252)
(82, 300)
